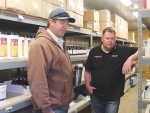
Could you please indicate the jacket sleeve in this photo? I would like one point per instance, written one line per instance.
(38, 67)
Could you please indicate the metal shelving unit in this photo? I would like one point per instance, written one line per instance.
(27, 20)
(144, 16)
(126, 41)
(17, 101)
(18, 63)
(24, 100)
(80, 104)
(130, 75)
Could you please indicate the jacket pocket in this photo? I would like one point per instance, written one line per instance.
(68, 95)
(58, 90)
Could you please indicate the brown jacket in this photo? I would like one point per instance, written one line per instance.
(50, 73)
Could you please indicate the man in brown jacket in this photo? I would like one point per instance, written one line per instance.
(50, 73)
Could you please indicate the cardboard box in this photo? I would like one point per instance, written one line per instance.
(62, 4)
(91, 15)
(92, 25)
(131, 36)
(126, 24)
(79, 7)
(111, 24)
(73, 15)
(79, 20)
(115, 18)
(18, 6)
(104, 15)
(121, 21)
(2, 4)
(116, 26)
(124, 35)
(47, 9)
(70, 5)
(34, 8)
(103, 25)
(55, 2)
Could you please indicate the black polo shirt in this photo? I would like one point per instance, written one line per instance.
(106, 71)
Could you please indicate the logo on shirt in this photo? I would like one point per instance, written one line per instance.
(97, 57)
(114, 55)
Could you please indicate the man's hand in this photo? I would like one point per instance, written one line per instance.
(90, 89)
(73, 66)
(127, 66)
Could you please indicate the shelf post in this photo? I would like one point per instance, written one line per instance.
(139, 62)
(91, 41)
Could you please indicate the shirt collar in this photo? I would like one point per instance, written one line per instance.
(52, 34)
(55, 37)
(114, 48)
(58, 40)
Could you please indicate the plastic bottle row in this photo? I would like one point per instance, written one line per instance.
(13, 45)
(20, 81)
(76, 50)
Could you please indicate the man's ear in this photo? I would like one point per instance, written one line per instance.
(51, 22)
(102, 38)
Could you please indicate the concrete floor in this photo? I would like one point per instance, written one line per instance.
(129, 102)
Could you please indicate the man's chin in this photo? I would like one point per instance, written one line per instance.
(109, 48)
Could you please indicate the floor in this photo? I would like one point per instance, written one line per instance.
(129, 102)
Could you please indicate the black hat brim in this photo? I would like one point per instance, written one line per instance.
(71, 20)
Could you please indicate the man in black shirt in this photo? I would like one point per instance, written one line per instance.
(106, 68)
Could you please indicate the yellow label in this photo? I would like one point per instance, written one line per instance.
(14, 48)
(22, 47)
(29, 45)
(3, 47)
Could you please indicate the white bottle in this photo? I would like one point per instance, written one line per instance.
(3, 45)
(27, 45)
(12, 45)
(20, 47)
(32, 39)
(147, 90)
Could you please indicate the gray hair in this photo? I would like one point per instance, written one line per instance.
(108, 29)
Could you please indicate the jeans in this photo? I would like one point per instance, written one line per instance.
(56, 109)
(100, 106)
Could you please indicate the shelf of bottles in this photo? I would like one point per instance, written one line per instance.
(20, 81)
(76, 50)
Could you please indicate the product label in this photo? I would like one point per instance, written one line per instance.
(29, 45)
(35, 5)
(89, 26)
(3, 94)
(14, 48)
(22, 47)
(3, 47)
(18, 1)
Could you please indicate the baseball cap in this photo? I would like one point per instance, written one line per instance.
(61, 14)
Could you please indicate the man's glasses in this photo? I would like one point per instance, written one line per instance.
(61, 15)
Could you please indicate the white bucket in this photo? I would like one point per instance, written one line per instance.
(2, 92)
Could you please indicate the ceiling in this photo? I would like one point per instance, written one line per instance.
(116, 7)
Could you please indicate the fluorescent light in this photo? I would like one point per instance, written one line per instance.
(126, 2)
(135, 14)
(135, 6)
